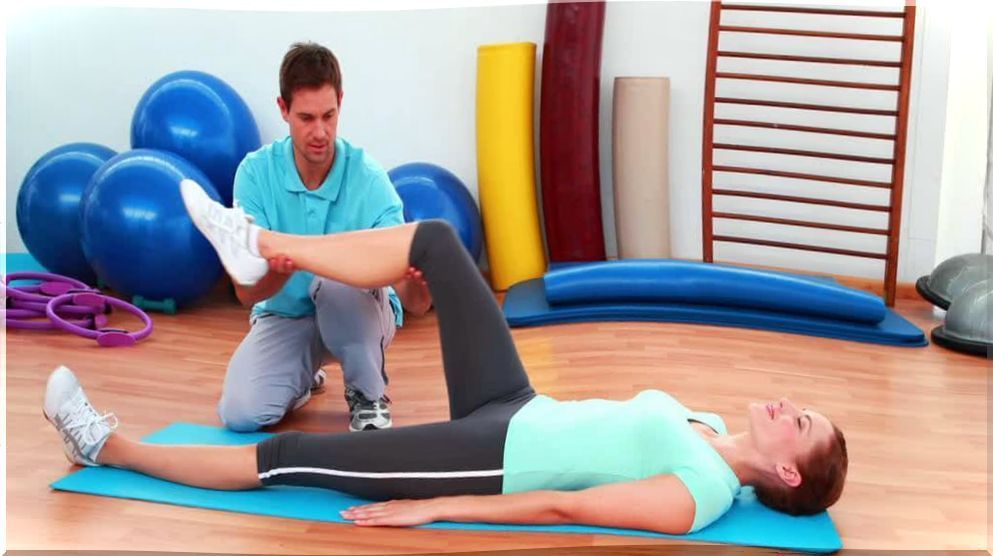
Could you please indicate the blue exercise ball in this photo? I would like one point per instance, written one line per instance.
(137, 233)
(48, 207)
(430, 191)
(202, 119)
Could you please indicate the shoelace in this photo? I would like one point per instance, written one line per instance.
(227, 219)
(382, 404)
(84, 417)
(361, 402)
(233, 222)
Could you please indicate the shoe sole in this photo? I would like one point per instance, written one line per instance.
(371, 427)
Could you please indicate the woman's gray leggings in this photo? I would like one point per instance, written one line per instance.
(486, 382)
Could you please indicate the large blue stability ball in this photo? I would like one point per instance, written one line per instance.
(48, 207)
(202, 119)
(430, 191)
(137, 233)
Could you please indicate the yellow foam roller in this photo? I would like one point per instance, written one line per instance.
(505, 160)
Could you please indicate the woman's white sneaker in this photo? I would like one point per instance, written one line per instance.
(229, 232)
(82, 429)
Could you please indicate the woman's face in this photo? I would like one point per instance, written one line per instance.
(786, 434)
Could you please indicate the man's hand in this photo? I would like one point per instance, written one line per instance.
(281, 268)
(413, 292)
(281, 264)
(416, 276)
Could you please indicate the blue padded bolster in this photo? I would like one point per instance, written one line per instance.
(667, 281)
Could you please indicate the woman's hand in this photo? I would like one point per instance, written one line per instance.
(660, 503)
(395, 513)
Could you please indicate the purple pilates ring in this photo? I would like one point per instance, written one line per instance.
(27, 289)
(29, 320)
(105, 337)
(46, 324)
(45, 277)
(68, 310)
(23, 314)
(24, 293)
(50, 283)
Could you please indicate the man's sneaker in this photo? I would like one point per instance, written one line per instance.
(227, 230)
(320, 377)
(366, 414)
(83, 430)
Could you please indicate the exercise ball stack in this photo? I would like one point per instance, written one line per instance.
(138, 236)
(118, 219)
(429, 191)
(48, 207)
(202, 119)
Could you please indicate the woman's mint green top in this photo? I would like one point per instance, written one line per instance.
(572, 445)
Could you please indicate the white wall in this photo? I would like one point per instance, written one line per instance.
(76, 73)
(988, 203)
(960, 210)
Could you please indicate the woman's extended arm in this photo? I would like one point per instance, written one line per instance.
(660, 503)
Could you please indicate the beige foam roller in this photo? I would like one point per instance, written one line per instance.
(641, 166)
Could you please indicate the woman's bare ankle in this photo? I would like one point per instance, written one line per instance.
(264, 243)
(113, 450)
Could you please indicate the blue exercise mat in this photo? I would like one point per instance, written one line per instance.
(747, 523)
(525, 305)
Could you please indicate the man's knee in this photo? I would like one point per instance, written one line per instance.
(346, 300)
(249, 411)
(324, 288)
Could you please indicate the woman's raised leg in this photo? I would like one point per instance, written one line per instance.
(363, 259)
(478, 352)
(480, 360)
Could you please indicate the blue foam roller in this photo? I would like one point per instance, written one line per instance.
(525, 305)
(667, 281)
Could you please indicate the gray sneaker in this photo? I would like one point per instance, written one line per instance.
(83, 430)
(320, 377)
(367, 414)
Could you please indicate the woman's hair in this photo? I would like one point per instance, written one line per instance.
(822, 475)
(307, 65)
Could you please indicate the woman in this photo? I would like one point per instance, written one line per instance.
(507, 455)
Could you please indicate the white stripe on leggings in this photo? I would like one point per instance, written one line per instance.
(384, 475)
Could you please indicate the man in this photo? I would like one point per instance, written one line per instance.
(314, 182)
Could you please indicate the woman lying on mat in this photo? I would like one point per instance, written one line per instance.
(507, 455)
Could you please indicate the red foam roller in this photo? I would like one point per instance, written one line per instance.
(570, 130)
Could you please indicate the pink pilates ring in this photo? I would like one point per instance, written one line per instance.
(105, 337)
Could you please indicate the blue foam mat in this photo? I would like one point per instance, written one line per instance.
(747, 523)
(525, 305)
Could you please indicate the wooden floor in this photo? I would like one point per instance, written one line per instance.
(916, 422)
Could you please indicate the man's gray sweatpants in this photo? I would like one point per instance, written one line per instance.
(276, 362)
